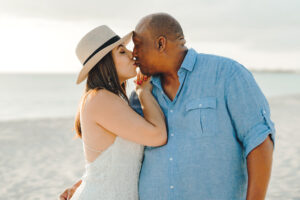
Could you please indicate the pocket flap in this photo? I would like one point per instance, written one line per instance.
(201, 103)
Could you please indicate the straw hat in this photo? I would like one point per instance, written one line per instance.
(95, 45)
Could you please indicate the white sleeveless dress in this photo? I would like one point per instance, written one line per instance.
(114, 174)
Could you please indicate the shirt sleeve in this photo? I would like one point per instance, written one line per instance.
(248, 109)
(135, 104)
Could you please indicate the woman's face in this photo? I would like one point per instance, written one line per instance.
(124, 63)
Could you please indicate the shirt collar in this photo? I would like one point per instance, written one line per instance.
(188, 64)
(189, 60)
(155, 80)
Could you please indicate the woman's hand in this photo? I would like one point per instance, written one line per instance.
(142, 83)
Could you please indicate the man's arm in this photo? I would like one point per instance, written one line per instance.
(250, 114)
(259, 163)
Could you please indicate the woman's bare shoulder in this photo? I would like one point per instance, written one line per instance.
(103, 99)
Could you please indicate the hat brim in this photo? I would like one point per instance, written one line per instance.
(98, 56)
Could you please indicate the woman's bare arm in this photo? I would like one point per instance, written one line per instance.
(115, 115)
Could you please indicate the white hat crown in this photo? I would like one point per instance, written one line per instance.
(95, 45)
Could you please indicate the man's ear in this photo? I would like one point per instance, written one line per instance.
(161, 42)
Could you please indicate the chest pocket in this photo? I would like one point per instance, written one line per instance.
(202, 113)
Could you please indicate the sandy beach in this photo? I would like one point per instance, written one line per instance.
(40, 158)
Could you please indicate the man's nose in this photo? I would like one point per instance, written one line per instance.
(134, 53)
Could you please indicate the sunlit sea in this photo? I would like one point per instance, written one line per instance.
(33, 96)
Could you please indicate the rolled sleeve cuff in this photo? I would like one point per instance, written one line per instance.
(257, 135)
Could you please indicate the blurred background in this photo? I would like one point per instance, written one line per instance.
(38, 69)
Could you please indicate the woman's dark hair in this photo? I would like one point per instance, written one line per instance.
(102, 76)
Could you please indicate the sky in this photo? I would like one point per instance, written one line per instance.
(41, 36)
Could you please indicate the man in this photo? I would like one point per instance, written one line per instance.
(220, 136)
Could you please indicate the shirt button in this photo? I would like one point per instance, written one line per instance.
(200, 105)
(264, 111)
(171, 111)
(171, 187)
(172, 134)
(162, 92)
(171, 159)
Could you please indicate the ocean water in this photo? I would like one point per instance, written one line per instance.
(32, 96)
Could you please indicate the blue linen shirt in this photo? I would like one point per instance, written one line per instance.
(218, 116)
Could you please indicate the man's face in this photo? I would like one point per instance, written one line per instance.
(144, 51)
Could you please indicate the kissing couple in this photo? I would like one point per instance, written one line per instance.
(197, 126)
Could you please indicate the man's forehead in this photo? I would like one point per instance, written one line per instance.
(141, 34)
(136, 35)
(141, 28)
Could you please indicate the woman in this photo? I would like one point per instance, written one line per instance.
(113, 134)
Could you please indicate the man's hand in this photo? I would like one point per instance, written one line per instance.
(68, 193)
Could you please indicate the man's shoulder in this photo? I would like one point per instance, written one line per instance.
(134, 103)
(215, 59)
(223, 66)
(133, 98)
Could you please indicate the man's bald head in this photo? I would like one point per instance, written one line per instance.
(162, 24)
(159, 44)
